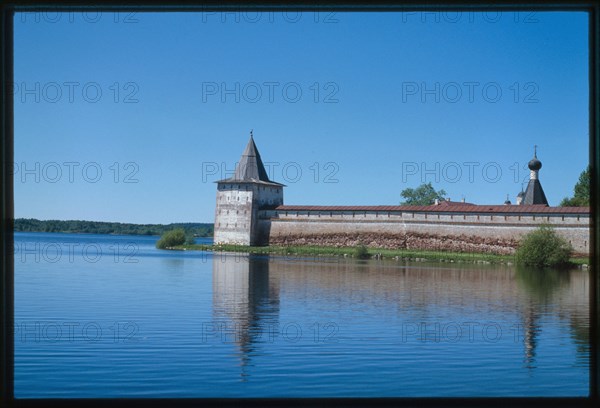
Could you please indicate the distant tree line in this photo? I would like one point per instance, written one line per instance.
(96, 227)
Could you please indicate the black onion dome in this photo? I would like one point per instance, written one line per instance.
(535, 164)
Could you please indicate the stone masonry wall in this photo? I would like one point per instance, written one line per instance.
(494, 233)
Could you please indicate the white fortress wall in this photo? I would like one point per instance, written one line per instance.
(509, 226)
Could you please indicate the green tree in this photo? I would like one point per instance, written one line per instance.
(543, 247)
(171, 239)
(425, 194)
(581, 190)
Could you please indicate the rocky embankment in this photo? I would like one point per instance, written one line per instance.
(461, 243)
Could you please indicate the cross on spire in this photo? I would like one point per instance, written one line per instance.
(535, 150)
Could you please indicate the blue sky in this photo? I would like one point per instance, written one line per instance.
(132, 117)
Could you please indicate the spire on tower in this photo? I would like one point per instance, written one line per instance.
(250, 168)
(534, 194)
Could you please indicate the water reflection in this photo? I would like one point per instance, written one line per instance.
(246, 292)
(218, 328)
(541, 284)
(563, 292)
(245, 302)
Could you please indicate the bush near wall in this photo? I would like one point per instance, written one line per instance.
(543, 247)
(361, 252)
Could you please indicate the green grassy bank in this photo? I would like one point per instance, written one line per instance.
(400, 254)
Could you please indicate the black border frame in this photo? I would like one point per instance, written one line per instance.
(7, 202)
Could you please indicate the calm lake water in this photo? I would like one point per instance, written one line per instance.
(111, 316)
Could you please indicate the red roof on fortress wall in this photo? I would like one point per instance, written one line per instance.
(455, 207)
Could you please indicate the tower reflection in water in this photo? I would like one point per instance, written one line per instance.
(245, 302)
(366, 298)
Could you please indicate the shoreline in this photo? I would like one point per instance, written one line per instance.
(373, 253)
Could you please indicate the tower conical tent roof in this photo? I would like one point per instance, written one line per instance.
(250, 168)
(534, 194)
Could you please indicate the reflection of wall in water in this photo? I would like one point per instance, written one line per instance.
(246, 292)
(245, 299)
(413, 284)
(410, 288)
(434, 292)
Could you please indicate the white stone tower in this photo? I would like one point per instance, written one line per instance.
(241, 197)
